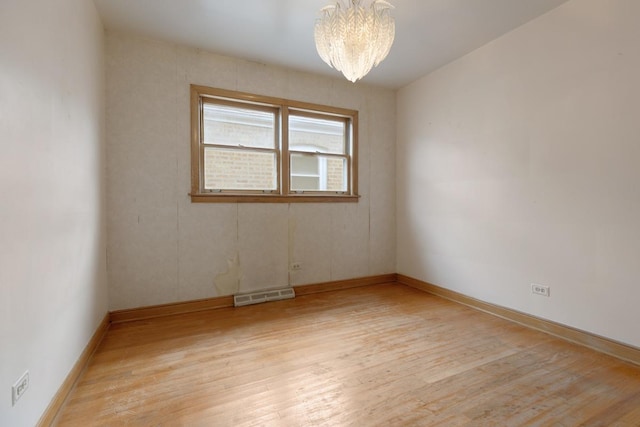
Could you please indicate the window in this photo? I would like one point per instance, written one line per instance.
(249, 148)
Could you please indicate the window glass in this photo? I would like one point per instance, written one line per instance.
(313, 172)
(228, 169)
(228, 125)
(316, 135)
(336, 174)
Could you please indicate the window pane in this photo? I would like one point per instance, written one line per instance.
(336, 174)
(305, 165)
(239, 170)
(227, 125)
(311, 172)
(316, 135)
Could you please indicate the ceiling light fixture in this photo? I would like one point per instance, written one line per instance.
(353, 40)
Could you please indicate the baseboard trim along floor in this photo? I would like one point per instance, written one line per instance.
(150, 312)
(576, 336)
(58, 401)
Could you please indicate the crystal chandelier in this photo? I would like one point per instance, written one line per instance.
(355, 39)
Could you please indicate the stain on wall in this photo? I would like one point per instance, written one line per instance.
(228, 283)
(292, 232)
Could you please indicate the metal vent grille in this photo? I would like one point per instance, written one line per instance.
(263, 296)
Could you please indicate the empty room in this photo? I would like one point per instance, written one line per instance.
(319, 213)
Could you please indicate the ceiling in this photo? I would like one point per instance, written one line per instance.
(429, 33)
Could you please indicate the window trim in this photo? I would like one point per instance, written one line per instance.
(198, 195)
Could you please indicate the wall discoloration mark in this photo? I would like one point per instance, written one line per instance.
(228, 283)
(291, 257)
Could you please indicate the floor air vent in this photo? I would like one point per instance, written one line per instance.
(263, 296)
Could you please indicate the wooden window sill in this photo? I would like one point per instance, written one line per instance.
(267, 198)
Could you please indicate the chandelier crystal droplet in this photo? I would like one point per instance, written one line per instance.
(353, 40)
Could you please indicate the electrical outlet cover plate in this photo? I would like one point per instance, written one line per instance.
(540, 290)
(18, 389)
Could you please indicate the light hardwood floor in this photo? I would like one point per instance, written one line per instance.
(384, 355)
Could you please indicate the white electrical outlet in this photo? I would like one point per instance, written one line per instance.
(18, 389)
(543, 290)
(296, 266)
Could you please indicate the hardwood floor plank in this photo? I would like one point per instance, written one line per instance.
(376, 355)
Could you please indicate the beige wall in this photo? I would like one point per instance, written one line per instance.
(520, 163)
(162, 248)
(53, 291)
